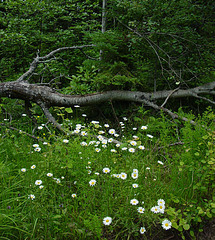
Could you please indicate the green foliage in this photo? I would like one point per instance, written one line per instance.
(29, 27)
(176, 164)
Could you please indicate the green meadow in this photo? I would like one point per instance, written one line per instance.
(138, 178)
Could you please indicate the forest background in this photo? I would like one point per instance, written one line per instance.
(145, 46)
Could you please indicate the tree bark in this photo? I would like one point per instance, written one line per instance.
(35, 93)
(47, 97)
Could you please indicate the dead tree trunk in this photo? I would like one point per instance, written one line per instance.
(47, 97)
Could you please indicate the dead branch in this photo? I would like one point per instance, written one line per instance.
(47, 97)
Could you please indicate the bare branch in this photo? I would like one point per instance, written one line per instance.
(38, 60)
(22, 132)
(204, 98)
(50, 117)
(169, 96)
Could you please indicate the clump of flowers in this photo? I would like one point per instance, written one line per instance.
(160, 208)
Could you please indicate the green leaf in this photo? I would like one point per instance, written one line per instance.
(192, 233)
(56, 216)
(186, 227)
(209, 214)
(69, 110)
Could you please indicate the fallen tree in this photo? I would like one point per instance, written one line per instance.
(47, 97)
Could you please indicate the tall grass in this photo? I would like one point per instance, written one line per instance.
(176, 164)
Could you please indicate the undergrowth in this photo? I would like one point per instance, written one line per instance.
(146, 178)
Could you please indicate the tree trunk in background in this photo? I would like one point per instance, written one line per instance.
(104, 19)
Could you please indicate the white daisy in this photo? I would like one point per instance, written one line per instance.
(49, 174)
(124, 148)
(95, 122)
(123, 176)
(33, 166)
(83, 133)
(113, 150)
(161, 202)
(76, 131)
(65, 140)
(37, 149)
(101, 132)
(135, 185)
(97, 149)
(141, 209)
(92, 182)
(132, 150)
(141, 147)
(150, 136)
(83, 144)
(134, 201)
(166, 224)
(35, 145)
(112, 131)
(142, 230)
(23, 170)
(107, 220)
(134, 175)
(74, 195)
(160, 162)
(104, 141)
(58, 181)
(133, 143)
(38, 182)
(161, 208)
(144, 127)
(31, 196)
(155, 209)
(106, 170)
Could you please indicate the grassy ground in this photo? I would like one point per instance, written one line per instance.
(138, 174)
